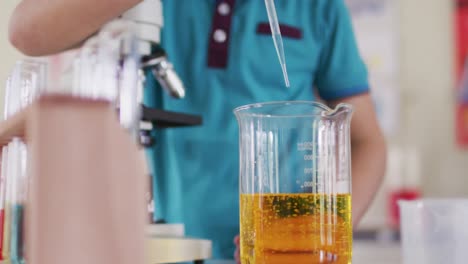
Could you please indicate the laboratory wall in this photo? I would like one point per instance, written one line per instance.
(8, 55)
(428, 94)
(427, 109)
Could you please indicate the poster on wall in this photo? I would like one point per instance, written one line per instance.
(461, 59)
(375, 27)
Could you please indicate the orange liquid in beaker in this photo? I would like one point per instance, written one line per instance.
(296, 228)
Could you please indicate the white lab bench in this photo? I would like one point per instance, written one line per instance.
(372, 252)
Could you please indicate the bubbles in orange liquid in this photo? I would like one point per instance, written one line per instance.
(296, 228)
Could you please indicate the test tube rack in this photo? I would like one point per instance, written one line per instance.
(85, 201)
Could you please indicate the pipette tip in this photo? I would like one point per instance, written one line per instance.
(285, 75)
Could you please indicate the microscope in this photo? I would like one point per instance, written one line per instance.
(147, 18)
(167, 243)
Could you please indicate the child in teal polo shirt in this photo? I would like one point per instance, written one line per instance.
(224, 53)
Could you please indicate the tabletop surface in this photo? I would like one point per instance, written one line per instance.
(363, 253)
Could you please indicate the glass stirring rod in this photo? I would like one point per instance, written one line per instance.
(276, 34)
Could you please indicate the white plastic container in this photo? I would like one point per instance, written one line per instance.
(434, 231)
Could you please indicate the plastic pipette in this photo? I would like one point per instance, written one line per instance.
(276, 34)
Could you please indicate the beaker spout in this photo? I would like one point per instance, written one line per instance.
(341, 111)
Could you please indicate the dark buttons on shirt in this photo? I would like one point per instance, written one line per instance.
(218, 47)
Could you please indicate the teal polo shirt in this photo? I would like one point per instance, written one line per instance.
(224, 54)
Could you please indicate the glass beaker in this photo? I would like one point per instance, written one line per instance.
(295, 183)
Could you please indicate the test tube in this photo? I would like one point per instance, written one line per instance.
(3, 171)
(12, 104)
(28, 79)
(16, 209)
(108, 66)
(2, 196)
